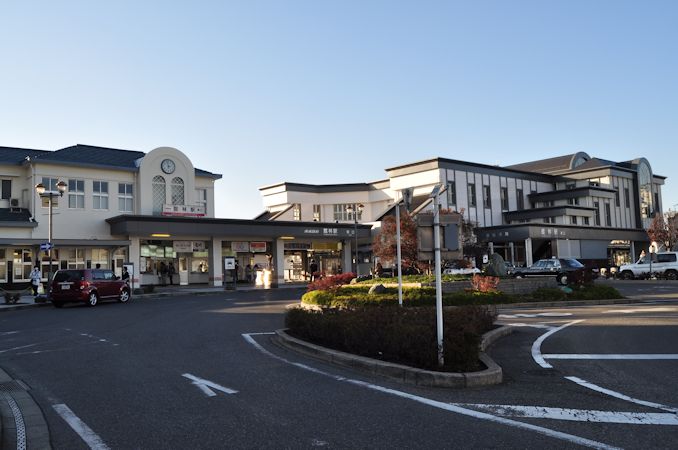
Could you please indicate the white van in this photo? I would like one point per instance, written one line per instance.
(663, 264)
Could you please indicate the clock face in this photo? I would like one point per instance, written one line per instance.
(167, 165)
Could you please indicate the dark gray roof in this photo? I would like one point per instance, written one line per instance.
(13, 155)
(16, 217)
(549, 165)
(84, 155)
(264, 216)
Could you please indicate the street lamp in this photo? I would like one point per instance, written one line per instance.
(358, 209)
(49, 195)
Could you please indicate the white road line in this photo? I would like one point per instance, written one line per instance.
(578, 415)
(90, 438)
(640, 310)
(5, 333)
(527, 316)
(621, 396)
(17, 348)
(205, 385)
(536, 346)
(657, 356)
(440, 405)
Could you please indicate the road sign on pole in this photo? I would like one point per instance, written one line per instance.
(46, 246)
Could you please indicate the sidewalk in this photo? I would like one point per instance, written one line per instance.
(27, 301)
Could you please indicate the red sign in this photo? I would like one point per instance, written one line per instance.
(258, 247)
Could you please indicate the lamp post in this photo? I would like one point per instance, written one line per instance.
(437, 190)
(358, 209)
(49, 195)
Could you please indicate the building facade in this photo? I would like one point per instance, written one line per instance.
(148, 210)
(575, 206)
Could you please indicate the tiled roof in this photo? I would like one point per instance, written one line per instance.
(548, 165)
(14, 215)
(13, 155)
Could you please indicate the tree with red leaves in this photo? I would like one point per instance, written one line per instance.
(662, 232)
(384, 245)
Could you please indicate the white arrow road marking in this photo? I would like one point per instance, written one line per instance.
(436, 404)
(530, 325)
(577, 415)
(17, 348)
(205, 385)
(621, 396)
(536, 346)
(651, 356)
(525, 315)
(90, 438)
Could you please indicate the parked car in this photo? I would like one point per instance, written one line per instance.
(510, 268)
(87, 286)
(461, 271)
(664, 264)
(561, 268)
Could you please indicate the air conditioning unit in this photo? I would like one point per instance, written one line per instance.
(14, 205)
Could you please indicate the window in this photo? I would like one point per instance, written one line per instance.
(627, 198)
(504, 199)
(76, 194)
(573, 220)
(125, 197)
(573, 201)
(201, 196)
(487, 200)
(100, 194)
(656, 202)
(666, 257)
(608, 214)
(471, 194)
(596, 217)
(23, 263)
(520, 199)
(3, 266)
(6, 190)
(451, 194)
(100, 256)
(340, 212)
(177, 191)
(570, 185)
(159, 194)
(75, 258)
(616, 198)
(586, 221)
(549, 220)
(296, 211)
(316, 213)
(50, 186)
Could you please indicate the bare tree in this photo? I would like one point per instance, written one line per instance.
(663, 231)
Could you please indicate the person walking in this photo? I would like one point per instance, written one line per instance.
(125, 275)
(35, 277)
(314, 270)
(171, 272)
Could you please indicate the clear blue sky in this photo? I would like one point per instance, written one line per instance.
(337, 91)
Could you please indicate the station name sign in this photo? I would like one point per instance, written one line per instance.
(329, 232)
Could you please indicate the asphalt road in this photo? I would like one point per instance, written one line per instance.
(193, 372)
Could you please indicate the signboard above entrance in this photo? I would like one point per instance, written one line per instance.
(188, 246)
(240, 247)
(183, 210)
(258, 247)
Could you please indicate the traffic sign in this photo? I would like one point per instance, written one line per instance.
(46, 246)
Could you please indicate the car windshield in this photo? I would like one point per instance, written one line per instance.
(572, 263)
(69, 275)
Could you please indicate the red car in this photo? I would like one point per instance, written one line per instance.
(87, 285)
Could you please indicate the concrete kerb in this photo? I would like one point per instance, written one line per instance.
(22, 424)
(404, 374)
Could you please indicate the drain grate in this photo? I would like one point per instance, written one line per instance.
(12, 386)
(16, 412)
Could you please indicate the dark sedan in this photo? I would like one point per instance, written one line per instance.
(561, 268)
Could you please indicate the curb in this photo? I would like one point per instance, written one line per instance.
(22, 423)
(398, 372)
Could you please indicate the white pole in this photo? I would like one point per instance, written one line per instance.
(439, 288)
(399, 255)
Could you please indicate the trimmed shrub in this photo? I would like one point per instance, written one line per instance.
(330, 283)
(399, 335)
(595, 292)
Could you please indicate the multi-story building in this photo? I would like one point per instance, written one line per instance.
(149, 210)
(570, 206)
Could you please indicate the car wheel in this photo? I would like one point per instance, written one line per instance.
(124, 296)
(671, 275)
(519, 275)
(627, 275)
(562, 279)
(58, 304)
(93, 299)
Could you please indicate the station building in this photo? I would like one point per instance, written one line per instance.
(146, 209)
(574, 205)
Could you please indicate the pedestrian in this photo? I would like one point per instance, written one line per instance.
(162, 272)
(98, 266)
(248, 273)
(170, 272)
(35, 277)
(314, 270)
(125, 275)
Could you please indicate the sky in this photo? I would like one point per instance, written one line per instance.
(328, 92)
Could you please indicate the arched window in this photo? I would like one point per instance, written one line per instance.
(645, 186)
(177, 191)
(159, 194)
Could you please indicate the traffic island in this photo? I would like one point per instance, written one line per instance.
(491, 375)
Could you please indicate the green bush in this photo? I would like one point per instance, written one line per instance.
(399, 335)
(595, 292)
(548, 294)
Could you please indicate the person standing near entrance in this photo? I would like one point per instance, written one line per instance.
(248, 273)
(171, 272)
(314, 270)
(35, 277)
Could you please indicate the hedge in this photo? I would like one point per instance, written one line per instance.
(399, 335)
